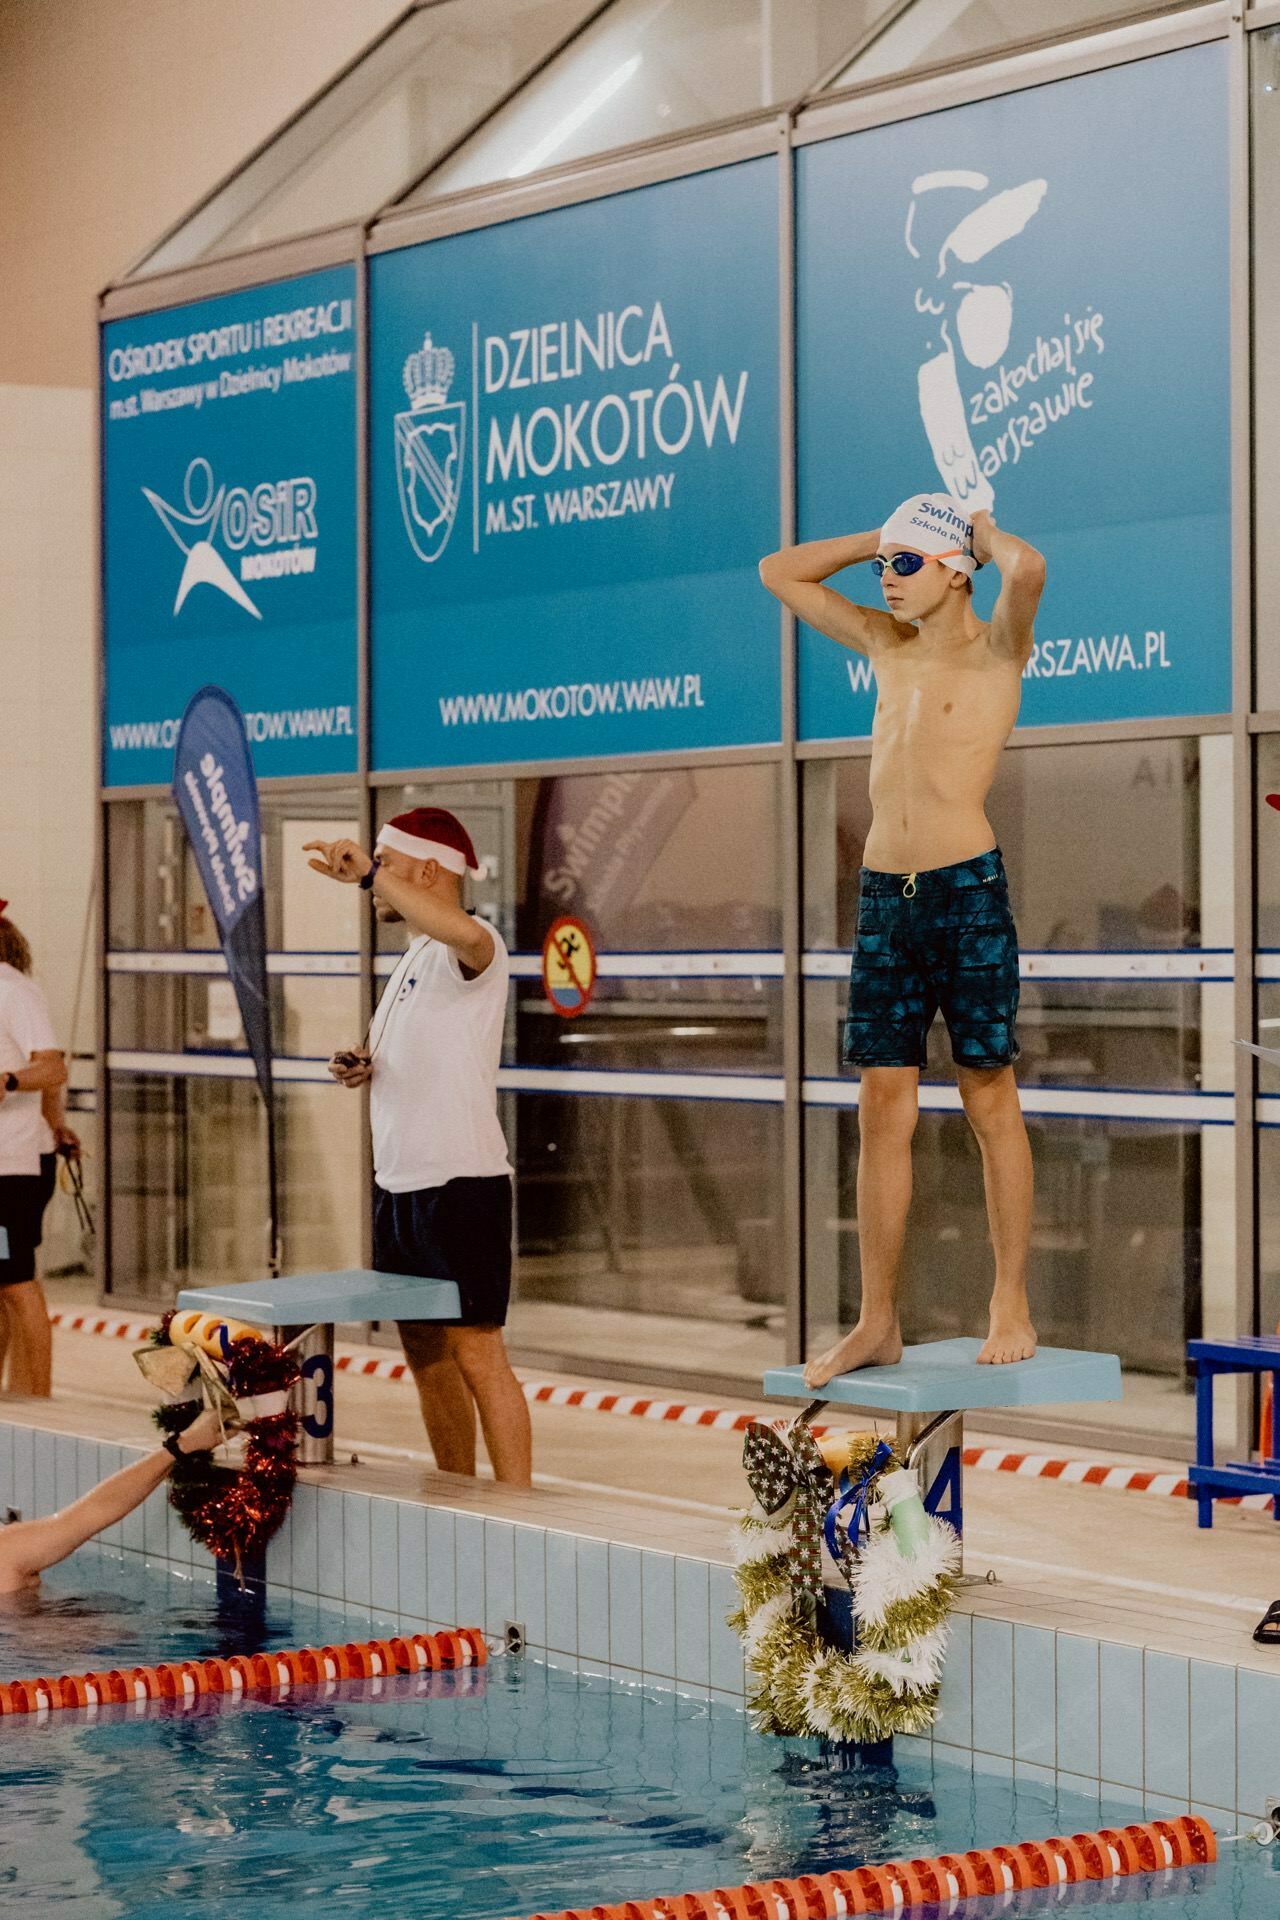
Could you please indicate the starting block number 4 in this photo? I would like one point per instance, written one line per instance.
(944, 1496)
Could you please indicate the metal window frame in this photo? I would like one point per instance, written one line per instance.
(137, 272)
(812, 120)
(962, 82)
(1036, 46)
(137, 268)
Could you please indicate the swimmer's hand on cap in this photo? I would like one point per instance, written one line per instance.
(983, 527)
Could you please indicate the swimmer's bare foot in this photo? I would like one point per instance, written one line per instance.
(1012, 1337)
(866, 1346)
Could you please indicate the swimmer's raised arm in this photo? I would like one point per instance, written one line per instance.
(795, 575)
(27, 1547)
(1021, 569)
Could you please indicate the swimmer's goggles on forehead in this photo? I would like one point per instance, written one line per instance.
(908, 563)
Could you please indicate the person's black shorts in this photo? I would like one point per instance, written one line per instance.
(23, 1199)
(944, 939)
(460, 1232)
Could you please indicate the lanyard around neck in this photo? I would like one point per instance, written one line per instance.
(383, 1012)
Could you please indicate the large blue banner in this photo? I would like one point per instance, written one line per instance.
(229, 535)
(1024, 303)
(216, 794)
(574, 471)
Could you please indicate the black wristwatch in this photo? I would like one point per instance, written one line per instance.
(171, 1446)
(11, 1082)
(366, 879)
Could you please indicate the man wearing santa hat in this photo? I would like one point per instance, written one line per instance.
(442, 1178)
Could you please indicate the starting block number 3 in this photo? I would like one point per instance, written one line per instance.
(317, 1396)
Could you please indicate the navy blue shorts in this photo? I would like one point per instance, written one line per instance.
(460, 1232)
(944, 939)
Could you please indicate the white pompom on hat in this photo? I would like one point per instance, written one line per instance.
(431, 833)
(935, 524)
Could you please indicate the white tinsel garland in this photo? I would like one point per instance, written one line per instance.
(882, 1576)
(915, 1668)
(766, 1616)
(759, 1539)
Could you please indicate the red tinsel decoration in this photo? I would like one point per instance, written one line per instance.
(235, 1514)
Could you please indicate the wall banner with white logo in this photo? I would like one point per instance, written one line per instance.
(1023, 303)
(229, 535)
(574, 471)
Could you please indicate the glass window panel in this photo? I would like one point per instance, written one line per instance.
(198, 1013)
(1105, 844)
(677, 860)
(656, 1026)
(1267, 912)
(649, 1235)
(1265, 260)
(1113, 1198)
(156, 901)
(1268, 855)
(653, 67)
(1267, 908)
(932, 32)
(189, 1182)
(379, 127)
(1073, 1033)
(1268, 1137)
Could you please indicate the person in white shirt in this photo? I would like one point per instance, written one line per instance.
(442, 1202)
(32, 1074)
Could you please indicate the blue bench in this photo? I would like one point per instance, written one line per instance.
(935, 1384)
(1208, 1481)
(308, 1304)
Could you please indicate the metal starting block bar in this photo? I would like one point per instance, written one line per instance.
(308, 1304)
(931, 1389)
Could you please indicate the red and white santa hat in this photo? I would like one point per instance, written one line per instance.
(431, 833)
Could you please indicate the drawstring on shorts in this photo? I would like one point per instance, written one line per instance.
(909, 888)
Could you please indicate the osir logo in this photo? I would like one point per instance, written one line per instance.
(431, 443)
(273, 518)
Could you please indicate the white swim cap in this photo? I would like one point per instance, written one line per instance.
(935, 524)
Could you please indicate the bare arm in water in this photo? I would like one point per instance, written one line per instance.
(27, 1547)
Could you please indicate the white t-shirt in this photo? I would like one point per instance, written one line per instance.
(25, 1028)
(436, 1042)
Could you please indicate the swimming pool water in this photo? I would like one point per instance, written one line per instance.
(519, 1789)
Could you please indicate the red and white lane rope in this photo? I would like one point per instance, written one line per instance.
(548, 1393)
(108, 1323)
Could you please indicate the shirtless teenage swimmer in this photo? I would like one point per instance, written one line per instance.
(934, 926)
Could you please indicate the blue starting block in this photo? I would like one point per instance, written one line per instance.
(1208, 1481)
(308, 1304)
(932, 1387)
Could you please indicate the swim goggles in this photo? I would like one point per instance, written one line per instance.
(908, 563)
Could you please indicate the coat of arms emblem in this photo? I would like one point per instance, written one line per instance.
(431, 441)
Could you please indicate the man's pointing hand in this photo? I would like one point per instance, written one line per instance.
(339, 860)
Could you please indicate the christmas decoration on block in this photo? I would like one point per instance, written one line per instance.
(851, 1496)
(246, 1379)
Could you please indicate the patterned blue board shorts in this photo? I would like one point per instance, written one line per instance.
(944, 939)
